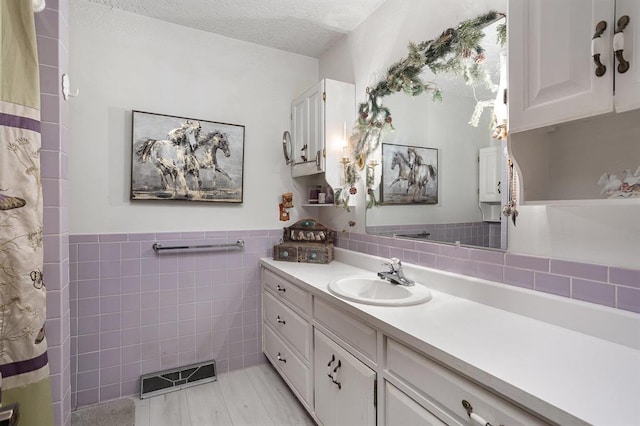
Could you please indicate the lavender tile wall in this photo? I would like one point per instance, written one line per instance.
(51, 29)
(135, 311)
(482, 234)
(600, 284)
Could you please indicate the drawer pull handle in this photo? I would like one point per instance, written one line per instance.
(335, 377)
(280, 321)
(475, 419)
(280, 358)
(333, 358)
(282, 289)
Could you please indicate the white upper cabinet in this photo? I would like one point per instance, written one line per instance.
(318, 119)
(555, 48)
(627, 85)
(307, 119)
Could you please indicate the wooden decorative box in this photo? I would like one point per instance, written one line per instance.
(306, 241)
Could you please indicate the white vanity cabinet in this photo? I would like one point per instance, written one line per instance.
(553, 77)
(344, 387)
(345, 371)
(318, 118)
(286, 333)
(442, 393)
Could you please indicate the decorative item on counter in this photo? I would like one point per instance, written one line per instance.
(322, 198)
(287, 203)
(626, 187)
(306, 241)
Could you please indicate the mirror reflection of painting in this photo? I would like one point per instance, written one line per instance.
(409, 175)
(176, 158)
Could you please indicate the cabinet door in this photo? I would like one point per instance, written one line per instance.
(315, 124)
(627, 88)
(551, 71)
(347, 397)
(307, 122)
(299, 128)
(489, 170)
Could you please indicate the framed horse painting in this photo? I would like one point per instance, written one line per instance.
(409, 175)
(179, 158)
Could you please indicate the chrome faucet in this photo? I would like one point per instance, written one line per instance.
(395, 275)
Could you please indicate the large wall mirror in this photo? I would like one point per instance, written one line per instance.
(443, 128)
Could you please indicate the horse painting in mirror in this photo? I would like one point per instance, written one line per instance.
(400, 161)
(413, 170)
(420, 174)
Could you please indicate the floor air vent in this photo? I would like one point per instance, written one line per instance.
(177, 378)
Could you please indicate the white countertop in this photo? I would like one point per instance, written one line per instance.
(565, 375)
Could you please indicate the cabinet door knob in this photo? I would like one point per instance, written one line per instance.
(280, 320)
(596, 48)
(618, 44)
(281, 358)
(499, 189)
(282, 289)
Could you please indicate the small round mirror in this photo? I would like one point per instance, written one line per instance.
(287, 147)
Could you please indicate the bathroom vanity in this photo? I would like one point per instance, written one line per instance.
(476, 352)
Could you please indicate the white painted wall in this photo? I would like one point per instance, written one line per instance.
(123, 62)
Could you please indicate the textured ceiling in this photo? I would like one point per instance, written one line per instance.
(306, 27)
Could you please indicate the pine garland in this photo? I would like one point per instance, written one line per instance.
(450, 52)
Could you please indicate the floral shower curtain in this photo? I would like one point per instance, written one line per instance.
(23, 347)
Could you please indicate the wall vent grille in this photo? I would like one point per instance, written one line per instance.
(177, 378)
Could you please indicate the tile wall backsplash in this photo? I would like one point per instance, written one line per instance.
(600, 284)
(483, 234)
(134, 311)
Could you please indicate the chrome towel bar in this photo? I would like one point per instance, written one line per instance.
(159, 247)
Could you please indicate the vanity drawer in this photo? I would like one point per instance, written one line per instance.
(289, 325)
(358, 334)
(284, 290)
(402, 410)
(294, 370)
(446, 389)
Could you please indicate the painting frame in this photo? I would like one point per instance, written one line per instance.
(186, 159)
(409, 175)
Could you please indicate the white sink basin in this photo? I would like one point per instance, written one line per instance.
(375, 291)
